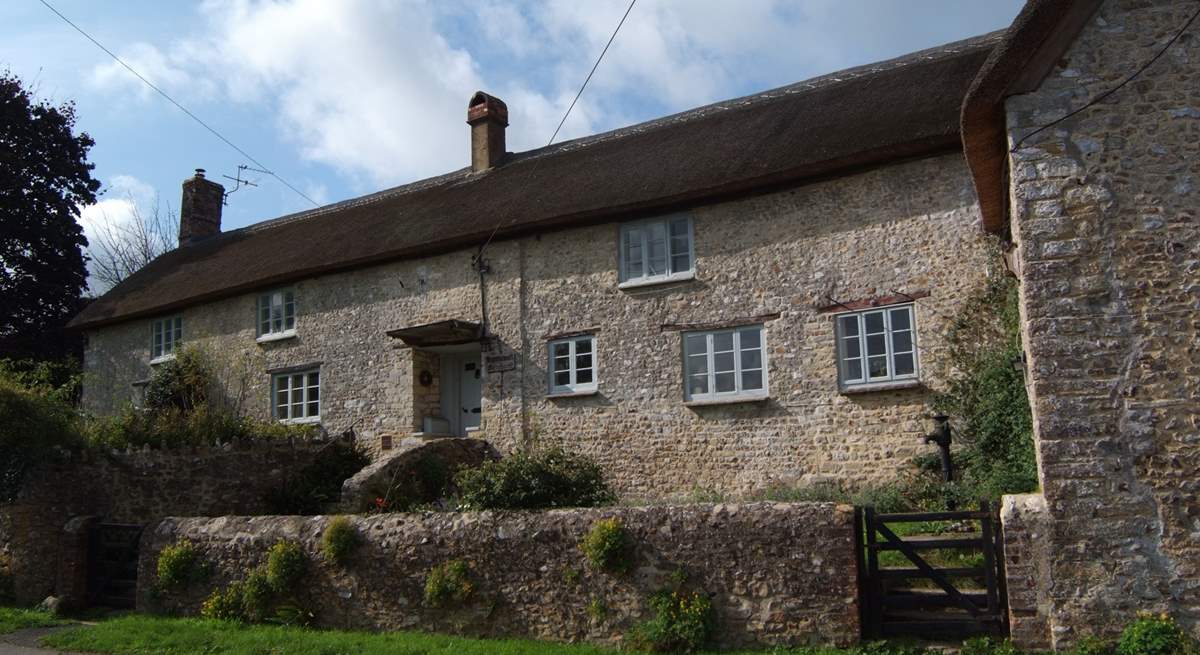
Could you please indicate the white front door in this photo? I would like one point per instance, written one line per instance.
(470, 393)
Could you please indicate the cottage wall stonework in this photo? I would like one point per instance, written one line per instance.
(776, 573)
(1104, 215)
(905, 228)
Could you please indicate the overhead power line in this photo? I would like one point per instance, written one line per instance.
(185, 110)
(503, 219)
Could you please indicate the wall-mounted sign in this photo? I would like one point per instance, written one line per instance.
(500, 363)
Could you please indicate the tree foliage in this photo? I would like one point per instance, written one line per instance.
(119, 249)
(44, 179)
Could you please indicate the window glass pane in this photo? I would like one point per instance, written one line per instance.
(562, 378)
(679, 228)
(722, 341)
(562, 349)
(751, 359)
(751, 380)
(297, 393)
(313, 409)
(852, 347)
(696, 344)
(698, 384)
(901, 342)
(849, 326)
(723, 362)
(583, 376)
(681, 262)
(900, 319)
(698, 364)
(583, 346)
(751, 338)
(583, 361)
(289, 321)
(876, 344)
(633, 252)
(656, 246)
(873, 322)
(562, 364)
(877, 366)
(854, 369)
(314, 378)
(725, 382)
(904, 364)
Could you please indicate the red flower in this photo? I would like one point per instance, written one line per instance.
(380, 503)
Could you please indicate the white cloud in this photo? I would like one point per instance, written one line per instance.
(378, 90)
(123, 198)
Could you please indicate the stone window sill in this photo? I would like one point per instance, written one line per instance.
(666, 279)
(572, 394)
(162, 360)
(308, 420)
(879, 386)
(731, 400)
(276, 336)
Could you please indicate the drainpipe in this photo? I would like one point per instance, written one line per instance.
(481, 267)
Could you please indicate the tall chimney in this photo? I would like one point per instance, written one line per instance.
(200, 210)
(488, 116)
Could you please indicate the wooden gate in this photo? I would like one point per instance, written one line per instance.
(942, 578)
(113, 564)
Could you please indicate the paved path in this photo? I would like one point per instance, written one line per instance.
(25, 642)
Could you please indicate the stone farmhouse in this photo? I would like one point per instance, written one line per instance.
(759, 290)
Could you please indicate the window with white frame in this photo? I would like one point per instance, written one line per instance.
(297, 396)
(877, 345)
(277, 313)
(165, 336)
(657, 249)
(573, 364)
(725, 364)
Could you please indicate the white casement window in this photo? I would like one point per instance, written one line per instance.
(165, 336)
(657, 250)
(277, 313)
(878, 345)
(573, 365)
(297, 396)
(725, 364)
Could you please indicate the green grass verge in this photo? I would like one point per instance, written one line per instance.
(143, 635)
(13, 619)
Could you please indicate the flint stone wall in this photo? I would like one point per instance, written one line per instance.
(777, 573)
(1104, 214)
(135, 487)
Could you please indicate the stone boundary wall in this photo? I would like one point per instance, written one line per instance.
(135, 487)
(777, 573)
(1026, 525)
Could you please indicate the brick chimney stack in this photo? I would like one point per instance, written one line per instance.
(488, 116)
(200, 209)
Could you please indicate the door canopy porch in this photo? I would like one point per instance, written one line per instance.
(452, 332)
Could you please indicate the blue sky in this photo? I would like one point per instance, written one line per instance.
(346, 97)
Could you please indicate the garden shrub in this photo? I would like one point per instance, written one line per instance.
(181, 384)
(1154, 635)
(448, 583)
(339, 540)
(1092, 645)
(534, 480)
(607, 546)
(597, 610)
(225, 604)
(285, 565)
(36, 427)
(319, 484)
(987, 401)
(987, 646)
(682, 622)
(180, 565)
(257, 596)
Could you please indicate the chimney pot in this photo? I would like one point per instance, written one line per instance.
(488, 116)
(200, 209)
